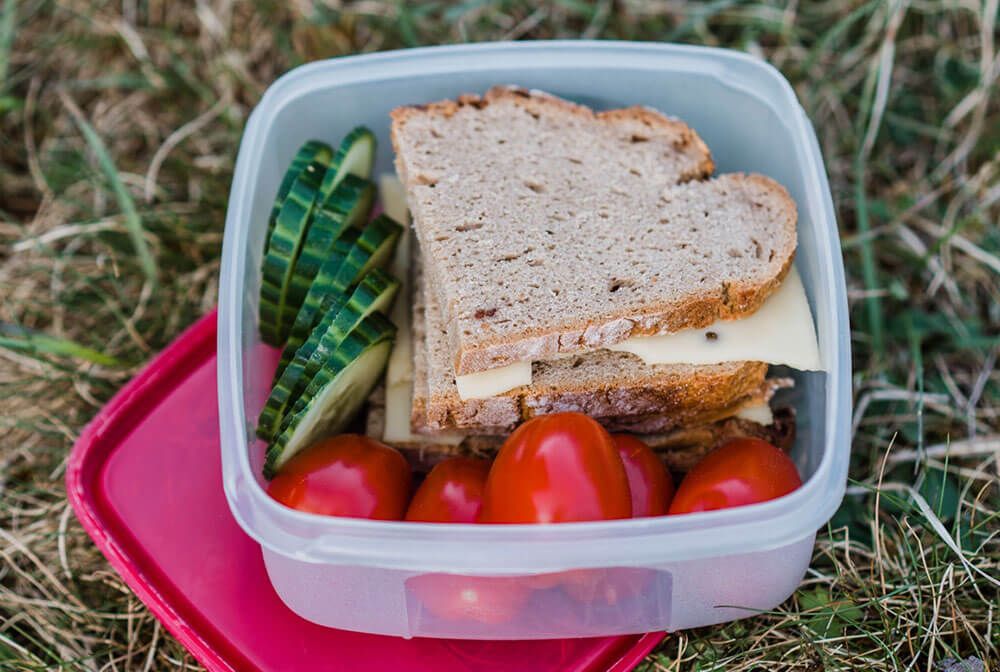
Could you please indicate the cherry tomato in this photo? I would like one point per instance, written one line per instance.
(740, 472)
(347, 475)
(606, 586)
(451, 493)
(485, 599)
(557, 468)
(648, 480)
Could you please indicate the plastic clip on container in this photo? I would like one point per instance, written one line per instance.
(696, 569)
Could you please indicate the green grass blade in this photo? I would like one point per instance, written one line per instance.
(14, 337)
(125, 203)
(8, 17)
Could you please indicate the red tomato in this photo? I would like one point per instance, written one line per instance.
(740, 472)
(557, 468)
(485, 599)
(648, 480)
(347, 475)
(606, 586)
(451, 493)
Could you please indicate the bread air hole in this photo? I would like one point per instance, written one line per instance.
(617, 283)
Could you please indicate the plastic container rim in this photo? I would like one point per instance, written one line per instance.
(487, 548)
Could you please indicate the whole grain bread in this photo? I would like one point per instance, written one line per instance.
(549, 228)
(616, 388)
(679, 449)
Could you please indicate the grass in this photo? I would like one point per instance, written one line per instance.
(119, 124)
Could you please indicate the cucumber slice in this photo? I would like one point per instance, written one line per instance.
(346, 207)
(307, 153)
(336, 393)
(374, 293)
(372, 250)
(283, 250)
(355, 156)
(327, 280)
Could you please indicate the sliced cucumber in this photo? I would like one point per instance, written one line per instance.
(307, 153)
(346, 207)
(334, 396)
(372, 250)
(282, 251)
(327, 280)
(355, 156)
(374, 293)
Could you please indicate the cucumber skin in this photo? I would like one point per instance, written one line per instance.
(373, 331)
(348, 205)
(378, 238)
(286, 388)
(347, 317)
(376, 287)
(279, 262)
(311, 310)
(360, 138)
(303, 157)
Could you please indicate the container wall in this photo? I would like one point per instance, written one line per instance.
(579, 603)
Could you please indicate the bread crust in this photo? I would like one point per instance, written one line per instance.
(679, 449)
(481, 350)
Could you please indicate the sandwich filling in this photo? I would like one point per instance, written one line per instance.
(780, 332)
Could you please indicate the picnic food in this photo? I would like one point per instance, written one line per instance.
(323, 294)
(740, 472)
(557, 468)
(451, 493)
(568, 273)
(567, 260)
(648, 480)
(347, 475)
(486, 599)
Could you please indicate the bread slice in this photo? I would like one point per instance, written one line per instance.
(679, 449)
(549, 228)
(616, 388)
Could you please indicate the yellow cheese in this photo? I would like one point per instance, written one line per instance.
(759, 413)
(393, 196)
(486, 384)
(399, 372)
(780, 332)
(400, 367)
(398, 407)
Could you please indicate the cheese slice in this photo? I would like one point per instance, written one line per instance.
(486, 384)
(759, 413)
(780, 332)
(400, 367)
(393, 196)
(399, 372)
(398, 409)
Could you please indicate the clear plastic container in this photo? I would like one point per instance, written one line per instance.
(652, 574)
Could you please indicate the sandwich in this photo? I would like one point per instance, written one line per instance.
(562, 259)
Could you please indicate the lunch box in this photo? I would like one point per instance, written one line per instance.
(665, 573)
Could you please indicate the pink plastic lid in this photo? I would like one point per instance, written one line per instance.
(145, 481)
